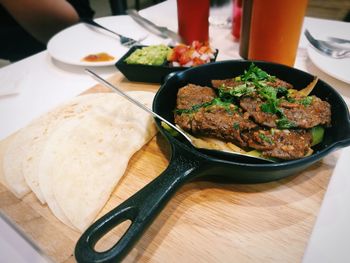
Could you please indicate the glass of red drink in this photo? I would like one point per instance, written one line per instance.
(193, 21)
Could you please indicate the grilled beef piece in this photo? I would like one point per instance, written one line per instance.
(282, 144)
(191, 95)
(216, 123)
(318, 112)
(214, 120)
(217, 83)
(279, 83)
(252, 105)
(232, 83)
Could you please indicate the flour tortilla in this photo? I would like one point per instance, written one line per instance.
(12, 172)
(76, 108)
(85, 157)
(20, 150)
(22, 156)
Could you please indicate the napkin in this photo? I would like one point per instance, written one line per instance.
(10, 83)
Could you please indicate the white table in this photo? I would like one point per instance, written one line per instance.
(44, 83)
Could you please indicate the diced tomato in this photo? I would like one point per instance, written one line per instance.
(197, 53)
(198, 61)
(196, 44)
(172, 55)
(180, 49)
(185, 58)
(177, 52)
(204, 49)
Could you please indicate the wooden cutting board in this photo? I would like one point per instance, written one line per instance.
(208, 220)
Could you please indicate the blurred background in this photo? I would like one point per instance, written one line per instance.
(326, 9)
(329, 9)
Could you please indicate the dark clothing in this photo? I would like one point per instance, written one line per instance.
(16, 43)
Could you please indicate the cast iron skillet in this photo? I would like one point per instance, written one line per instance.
(187, 163)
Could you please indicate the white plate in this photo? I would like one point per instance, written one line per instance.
(337, 68)
(76, 42)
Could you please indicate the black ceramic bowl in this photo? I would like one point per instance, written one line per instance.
(187, 162)
(147, 73)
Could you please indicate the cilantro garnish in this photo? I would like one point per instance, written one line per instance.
(193, 109)
(290, 99)
(270, 95)
(238, 91)
(256, 74)
(306, 101)
(284, 123)
(282, 91)
(214, 102)
(270, 107)
(265, 138)
(225, 104)
(268, 92)
(236, 125)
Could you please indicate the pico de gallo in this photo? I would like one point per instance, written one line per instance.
(197, 53)
(181, 55)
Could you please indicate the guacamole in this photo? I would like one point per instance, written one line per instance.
(151, 55)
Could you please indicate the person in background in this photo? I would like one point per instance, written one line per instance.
(27, 25)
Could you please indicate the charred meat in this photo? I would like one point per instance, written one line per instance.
(304, 113)
(283, 144)
(211, 117)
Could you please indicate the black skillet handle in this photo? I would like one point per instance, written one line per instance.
(141, 209)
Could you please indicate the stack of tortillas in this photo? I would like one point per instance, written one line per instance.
(73, 157)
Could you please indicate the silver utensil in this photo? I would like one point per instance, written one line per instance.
(326, 48)
(339, 40)
(176, 128)
(125, 41)
(161, 31)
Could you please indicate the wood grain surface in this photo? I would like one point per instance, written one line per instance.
(209, 220)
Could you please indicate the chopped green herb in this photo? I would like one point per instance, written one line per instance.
(236, 126)
(214, 102)
(306, 101)
(265, 138)
(256, 74)
(282, 91)
(225, 104)
(219, 102)
(270, 107)
(290, 99)
(193, 109)
(238, 91)
(268, 92)
(284, 123)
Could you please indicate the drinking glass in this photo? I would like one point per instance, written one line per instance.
(236, 18)
(193, 21)
(271, 29)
